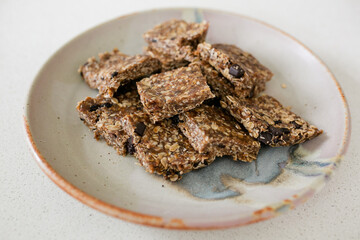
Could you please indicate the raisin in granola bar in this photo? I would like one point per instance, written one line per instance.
(170, 93)
(176, 38)
(116, 69)
(243, 70)
(269, 122)
(209, 129)
(164, 150)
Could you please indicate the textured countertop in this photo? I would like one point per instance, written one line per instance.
(33, 207)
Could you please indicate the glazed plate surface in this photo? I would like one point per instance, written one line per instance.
(225, 194)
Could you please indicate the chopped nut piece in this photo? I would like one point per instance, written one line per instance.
(242, 69)
(269, 122)
(116, 69)
(170, 93)
(209, 129)
(175, 158)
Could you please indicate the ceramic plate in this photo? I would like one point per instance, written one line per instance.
(225, 194)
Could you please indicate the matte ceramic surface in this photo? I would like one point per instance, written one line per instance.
(226, 193)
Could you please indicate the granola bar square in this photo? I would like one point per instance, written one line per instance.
(242, 69)
(116, 69)
(104, 117)
(219, 85)
(167, 61)
(170, 93)
(177, 38)
(270, 122)
(134, 122)
(211, 130)
(164, 150)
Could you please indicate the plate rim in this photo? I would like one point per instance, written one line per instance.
(177, 223)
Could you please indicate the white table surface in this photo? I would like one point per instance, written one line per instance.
(33, 207)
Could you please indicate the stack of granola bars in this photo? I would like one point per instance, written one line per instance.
(185, 102)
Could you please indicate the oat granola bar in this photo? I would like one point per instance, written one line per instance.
(167, 62)
(170, 93)
(104, 117)
(243, 70)
(209, 129)
(116, 69)
(176, 38)
(134, 122)
(97, 115)
(219, 85)
(164, 150)
(269, 122)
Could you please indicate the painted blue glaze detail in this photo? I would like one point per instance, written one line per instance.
(198, 16)
(302, 167)
(206, 182)
(269, 163)
(296, 159)
(305, 172)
